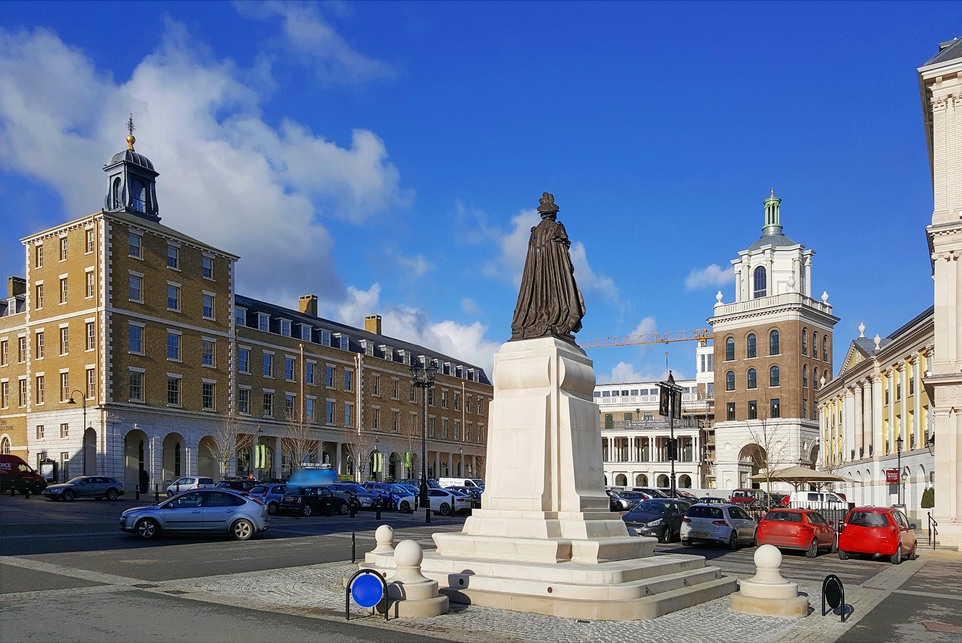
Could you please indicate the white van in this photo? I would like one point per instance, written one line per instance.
(461, 482)
(817, 500)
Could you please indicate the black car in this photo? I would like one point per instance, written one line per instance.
(657, 517)
(307, 501)
(620, 500)
(241, 485)
(472, 492)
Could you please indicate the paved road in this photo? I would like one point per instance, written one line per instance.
(68, 573)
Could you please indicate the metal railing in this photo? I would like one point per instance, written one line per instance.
(933, 529)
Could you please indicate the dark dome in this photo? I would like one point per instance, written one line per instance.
(771, 237)
(131, 156)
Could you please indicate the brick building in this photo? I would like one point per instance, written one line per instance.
(126, 351)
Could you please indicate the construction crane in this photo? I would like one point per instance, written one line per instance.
(700, 335)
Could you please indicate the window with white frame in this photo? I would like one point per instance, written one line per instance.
(90, 333)
(207, 267)
(263, 321)
(330, 409)
(136, 379)
(39, 432)
(21, 349)
(89, 284)
(135, 338)
(268, 404)
(268, 368)
(22, 386)
(208, 305)
(310, 403)
(38, 298)
(208, 350)
(4, 394)
(244, 401)
(38, 255)
(348, 415)
(309, 370)
(173, 296)
(329, 376)
(290, 403)
(63, 290)
(88, 241)
(40, 389)
(305, 332)
(136, 291)
(431, 427)
(395, 389)
(286, 327)
(173, 389)
(63, 248)
(91, 382)
(376, 384)
(64, 430)
(289, 368)
(173, 257)
(38, 345)
(207, 395)
(136, 246)
(173, 345)
(240, 316)
(348, 380)
(376, 418)
(64, 340)
(244, 360)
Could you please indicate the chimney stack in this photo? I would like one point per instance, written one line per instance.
(16, 286)
(372, 324)
(308, 304)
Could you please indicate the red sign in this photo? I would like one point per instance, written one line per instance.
(892, 475)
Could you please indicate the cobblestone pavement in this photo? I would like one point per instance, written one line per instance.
(318, 591)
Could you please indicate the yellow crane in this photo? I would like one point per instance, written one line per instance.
(700, 335)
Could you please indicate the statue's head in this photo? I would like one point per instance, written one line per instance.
(548, 209)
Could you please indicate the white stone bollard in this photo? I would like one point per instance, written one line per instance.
(767, 593)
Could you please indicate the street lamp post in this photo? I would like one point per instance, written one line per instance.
(898, 446)
(423, 373)
(83, 402)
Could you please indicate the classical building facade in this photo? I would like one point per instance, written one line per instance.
(126, 351)
(635, 436)
(876, 417)
(772, 350)
(940, 83)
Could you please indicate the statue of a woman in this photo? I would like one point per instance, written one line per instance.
(549, 304)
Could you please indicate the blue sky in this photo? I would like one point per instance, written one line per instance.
(389, 157)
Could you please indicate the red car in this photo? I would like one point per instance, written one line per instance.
(801, 529)
(877, 531)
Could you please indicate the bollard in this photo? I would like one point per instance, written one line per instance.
(137, 492)
(353, 512)
(26, 493)
(156, 494)
(353, 547)
(377, 509)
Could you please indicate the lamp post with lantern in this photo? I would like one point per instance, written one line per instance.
(423, 373)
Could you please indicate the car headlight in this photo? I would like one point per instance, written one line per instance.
(653, 523)
(53, 491)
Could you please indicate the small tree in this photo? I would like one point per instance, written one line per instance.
(359, 446)
(928, 498)
(772, 451)
(227, 442)
(298, 444)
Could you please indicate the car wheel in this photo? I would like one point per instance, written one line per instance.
(147, 528)
(68, 495)
(686, 542)
(834, 546)
(444, 509)
(111, 494)
(733, 541)
(913, 554)
(170, 494)
(812, 551)
(272, 508)
(343, 509)
(896, 558)
(405, 507)
(242, 530)
(307, 510)
(842, 555)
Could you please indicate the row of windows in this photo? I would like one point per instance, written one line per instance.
(773, 378)
(774, 409)
(40, 389)
(136, 250)
(751, 345)
(63, 291)
(88, 248)
(40, 343)
(136, 381)
(64, 431)
(174, 296)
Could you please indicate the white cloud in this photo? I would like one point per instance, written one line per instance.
(415, 266)
(708, 277)
(470, 306)
(226, 176)
(464, 341)
(646, 326)
(309, 37)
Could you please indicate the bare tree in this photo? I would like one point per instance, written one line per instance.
(772, 452)
(360, 444)
(413, 439)
(227, 442)
(298, 443)
(479, 469)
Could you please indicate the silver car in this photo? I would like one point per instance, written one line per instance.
(726, 524)
(205, 510)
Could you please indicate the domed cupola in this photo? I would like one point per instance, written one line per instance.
(131, 181)
(772, 230)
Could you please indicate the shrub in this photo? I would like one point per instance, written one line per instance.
(928, 498)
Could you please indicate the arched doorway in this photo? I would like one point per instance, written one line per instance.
(684, 481)
(395, 467)
(5, 445)
(174, 458)
(663, 482)
(207, 464)
(137, 461)
(90, 452)
(751, 460)
(641, 480)
(621, 480)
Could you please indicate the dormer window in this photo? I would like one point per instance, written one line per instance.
(305, 332)
(285, 327)
(344, 342)
(263, 321)
(325, 338)
(240, 316)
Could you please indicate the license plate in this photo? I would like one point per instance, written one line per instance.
(698, 534)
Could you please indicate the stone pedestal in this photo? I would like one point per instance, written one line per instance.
(767, 593)
(545, 540)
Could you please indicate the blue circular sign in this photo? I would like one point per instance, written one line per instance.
(367, 590)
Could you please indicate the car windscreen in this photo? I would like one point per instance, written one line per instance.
(705, 512)
(867, 519)
(650, 507)
(783, 516)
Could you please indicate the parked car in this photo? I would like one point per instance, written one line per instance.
(712, 500)
(657, 517)
(819, 500)
(307, 501)
(877, 531)
(270, 494)
(651, 492)
(471, 492)
(394, 496)
(432, 484)
(360, 497)
(86, 487)
(726, 524)
(619, 500)
(447, 502)
(207, 509)
(750, 498)
(17, 475)
(242, 485)
(188, 482)
(802, 529)
(461, 482)
(680, 494)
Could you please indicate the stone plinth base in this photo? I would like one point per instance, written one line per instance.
(795, 606)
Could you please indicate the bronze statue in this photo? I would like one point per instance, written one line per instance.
(549, 304)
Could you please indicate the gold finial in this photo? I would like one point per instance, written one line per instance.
(130, 133)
